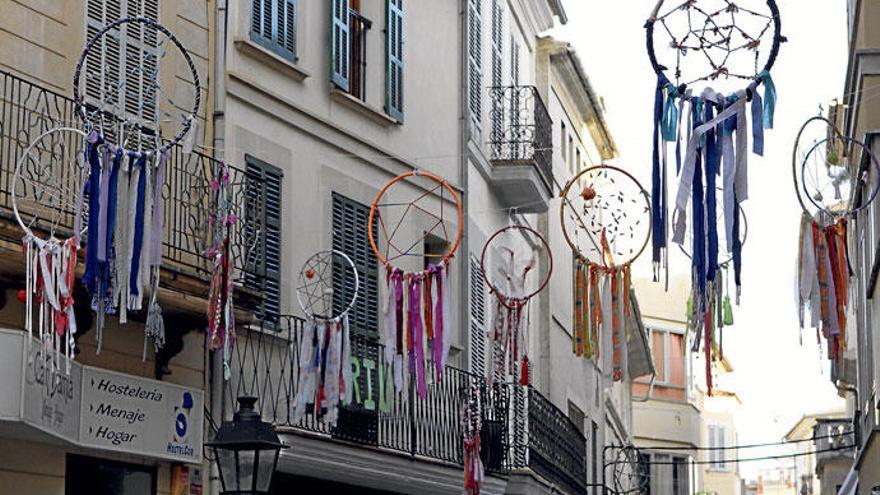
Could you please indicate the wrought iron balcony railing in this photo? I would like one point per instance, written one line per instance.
(28, 110)
(522, 131)
(265, 365)
(557, 450)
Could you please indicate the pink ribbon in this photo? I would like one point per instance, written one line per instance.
(434, 271)
(417, 357)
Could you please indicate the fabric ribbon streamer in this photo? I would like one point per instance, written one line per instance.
(472, 419)
(221, 313)
(325, 375)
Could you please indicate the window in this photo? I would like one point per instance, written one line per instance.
(667, 474)
(563, 134)
(577, 161)
(263, 220)
(475, 66)
(273, 26)
(394, 69)
(350, 220)
(669, 355)
(122, 68)
(477, 318)
(716, 441)
(497, 37)
(93, 476)
(340, 44)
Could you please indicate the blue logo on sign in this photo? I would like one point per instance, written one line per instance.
(181, 418)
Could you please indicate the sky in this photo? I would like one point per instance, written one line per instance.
(777, 378)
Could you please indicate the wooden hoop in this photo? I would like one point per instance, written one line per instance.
(564, 202)
(405, 175)
(518, 302)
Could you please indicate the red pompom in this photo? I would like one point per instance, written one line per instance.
(588, 193)
(22, 296)
(524, 378)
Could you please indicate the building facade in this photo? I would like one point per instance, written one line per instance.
(860, 117)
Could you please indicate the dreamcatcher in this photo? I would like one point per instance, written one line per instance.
(831, 175)
(325, 377)
(630, 474)
(513, 279)
(472, 424)
(605, 216)
(732, 46)
(126, 168)
(45, 195)
(410, 237)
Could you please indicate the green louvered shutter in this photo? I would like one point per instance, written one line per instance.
(339, 43)
(273, 26)
(394, 73)
(263, 220)
(350, 220)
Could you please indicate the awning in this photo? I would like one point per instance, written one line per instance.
(638, 352)
(850, 485)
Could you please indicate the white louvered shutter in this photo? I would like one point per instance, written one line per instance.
(475, 66)
(477, 318)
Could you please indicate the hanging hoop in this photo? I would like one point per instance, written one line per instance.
(443, 187)
(709, 36)
(505, 299)
(590, 199)
(832, 143)
(80, 107)
(61, 187)
(315, 291)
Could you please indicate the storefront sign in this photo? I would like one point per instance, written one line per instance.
(131, 414)
(51, 394)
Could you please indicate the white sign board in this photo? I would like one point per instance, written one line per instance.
(51, 394)
(131, 414)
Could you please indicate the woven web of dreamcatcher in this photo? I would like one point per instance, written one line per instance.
(606, 216)
(513, 272)
(49, 176)
(829, 166)
(393, 215)
(630, 473)
(715, 39)
(318, 291)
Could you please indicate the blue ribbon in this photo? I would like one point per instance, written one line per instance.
(138, 225)
(698, 262)
(757, 124)
(658, 210)
(769, 98)
(670, 114)
(92, 270)
(713, 161)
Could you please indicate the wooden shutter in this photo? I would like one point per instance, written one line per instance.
(339, 43)
(273, 26)
(263, 219)
(350, 220)
(497, 63)
(477, 318)
(475, 66)
(394, 72)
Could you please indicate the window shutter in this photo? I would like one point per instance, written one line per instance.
(263, 218)
(273, 26)
(497, 62)
(394, 72)
(339, 43)
(721, 453)
(477, 318)
(475, 66)
(350, 220)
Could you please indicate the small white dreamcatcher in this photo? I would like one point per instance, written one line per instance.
(325, 377)
(45, 198)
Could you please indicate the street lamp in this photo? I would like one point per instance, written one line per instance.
(246, 450)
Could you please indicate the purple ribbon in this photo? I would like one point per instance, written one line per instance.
(434, 271)
(417, 357)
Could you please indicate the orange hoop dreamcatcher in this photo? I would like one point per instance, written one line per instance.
(417, 322)
(606, 219)
(509, 279)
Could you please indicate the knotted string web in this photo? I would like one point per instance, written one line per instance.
(606, 216)
(713, 40)
(322, 295)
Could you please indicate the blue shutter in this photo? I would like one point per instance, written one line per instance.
(339, 43)
(273, 26)
(394, 72)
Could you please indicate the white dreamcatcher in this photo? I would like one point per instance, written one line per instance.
(325, 376)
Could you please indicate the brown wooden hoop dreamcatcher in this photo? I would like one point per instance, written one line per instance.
(509, 333)
(610, 211)
(417, 321)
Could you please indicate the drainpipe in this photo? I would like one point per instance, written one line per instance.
(221, 7)
(464, 139)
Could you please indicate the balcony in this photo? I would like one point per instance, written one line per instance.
(834, 441)
(27, 110)
(521, 429)
(521, 147)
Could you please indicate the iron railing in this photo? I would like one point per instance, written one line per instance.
(522, 131)
(28, 110)
(358, 25)
(557, 450)
(265, 365)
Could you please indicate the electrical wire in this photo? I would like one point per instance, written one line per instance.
(738, 460)
(747, 446)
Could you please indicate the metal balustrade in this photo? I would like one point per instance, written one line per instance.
(521, 129)
(556, 448)
(28, 110)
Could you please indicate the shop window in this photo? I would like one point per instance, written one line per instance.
(94, 476)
